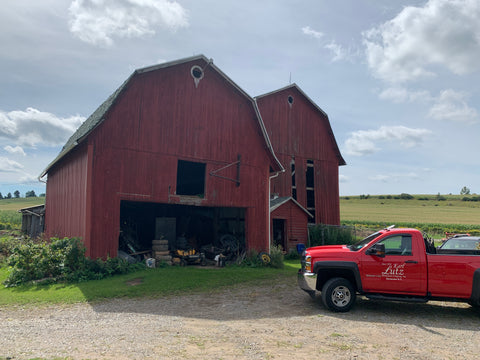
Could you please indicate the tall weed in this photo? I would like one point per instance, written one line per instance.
(322, 234)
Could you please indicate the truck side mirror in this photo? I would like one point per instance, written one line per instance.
(376, 250)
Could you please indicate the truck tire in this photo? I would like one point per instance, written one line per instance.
(338, 295)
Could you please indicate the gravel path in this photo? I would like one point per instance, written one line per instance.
(274, 321)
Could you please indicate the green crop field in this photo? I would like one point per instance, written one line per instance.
(449, 210)
(17, 204)
(10, 218)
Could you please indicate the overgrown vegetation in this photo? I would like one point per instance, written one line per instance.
(321, 234)
(10, 220)
(58, 260)
(255, 259)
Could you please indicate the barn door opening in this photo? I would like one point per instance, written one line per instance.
(180, 226)
(279, 233)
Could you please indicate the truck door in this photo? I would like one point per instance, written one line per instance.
(402, 270)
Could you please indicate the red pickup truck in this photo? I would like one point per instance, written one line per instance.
(391, 264)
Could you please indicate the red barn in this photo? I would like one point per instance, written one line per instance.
(179, 150)
(303, 140)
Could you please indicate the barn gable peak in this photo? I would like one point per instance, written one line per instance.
(99, 115)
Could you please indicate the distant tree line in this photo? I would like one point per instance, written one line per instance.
(16, 195)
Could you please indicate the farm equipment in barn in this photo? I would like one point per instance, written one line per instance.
(187, 257)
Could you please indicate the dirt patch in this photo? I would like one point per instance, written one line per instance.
(135, 282)
(275, 320)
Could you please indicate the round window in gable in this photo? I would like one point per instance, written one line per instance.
(197, 74)
(290, 100)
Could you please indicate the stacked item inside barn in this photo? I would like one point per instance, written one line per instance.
(160, 250)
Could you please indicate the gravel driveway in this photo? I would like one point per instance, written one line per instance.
(275, 320)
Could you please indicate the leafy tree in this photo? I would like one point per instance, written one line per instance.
(465, 191)
(9, 196)
(30, 194)
(16, 194)
(1, 196)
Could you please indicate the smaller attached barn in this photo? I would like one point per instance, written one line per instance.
(289, 221)
(304, 143)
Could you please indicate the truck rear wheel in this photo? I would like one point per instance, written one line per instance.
(338, 295)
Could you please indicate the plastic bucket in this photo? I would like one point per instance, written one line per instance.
(300, 248)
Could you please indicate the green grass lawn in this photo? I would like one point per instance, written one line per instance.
(167, 281)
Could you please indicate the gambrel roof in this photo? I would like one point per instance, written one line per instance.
(101, 112)
(341, 161)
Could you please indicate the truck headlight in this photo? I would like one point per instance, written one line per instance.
(308, 263)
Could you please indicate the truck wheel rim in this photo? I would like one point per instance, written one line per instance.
(341, 296)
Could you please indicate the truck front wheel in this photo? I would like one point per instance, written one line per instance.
(338, 295)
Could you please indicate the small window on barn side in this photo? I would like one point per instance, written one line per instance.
(190, 178)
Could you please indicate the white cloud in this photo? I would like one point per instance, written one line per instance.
(343, 178)
(33, 127)
(14, 150)
(7, 165)
(394, 177)
(364, 142)
(307, 30)
(443, 32)
(452, 106)
(28, 179)
(339, 53)
(99, 21)
(402, 95)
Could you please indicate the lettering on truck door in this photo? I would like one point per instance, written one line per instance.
(402, 270)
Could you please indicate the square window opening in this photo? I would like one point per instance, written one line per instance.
(190, 178)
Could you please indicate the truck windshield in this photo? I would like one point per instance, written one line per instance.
(363, 242)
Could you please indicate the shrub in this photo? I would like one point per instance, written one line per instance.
(471, 198)
(292, 255)
(8, 243)
(251, 259)
(276, 257)
(405, 196)
(59, 260)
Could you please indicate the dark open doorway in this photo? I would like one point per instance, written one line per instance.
(279, 234)
(182, 225)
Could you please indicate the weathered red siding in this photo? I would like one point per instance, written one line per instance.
(300, 132)
(66, 200)
(296, 224)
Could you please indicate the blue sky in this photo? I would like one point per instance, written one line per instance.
(398, 79)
